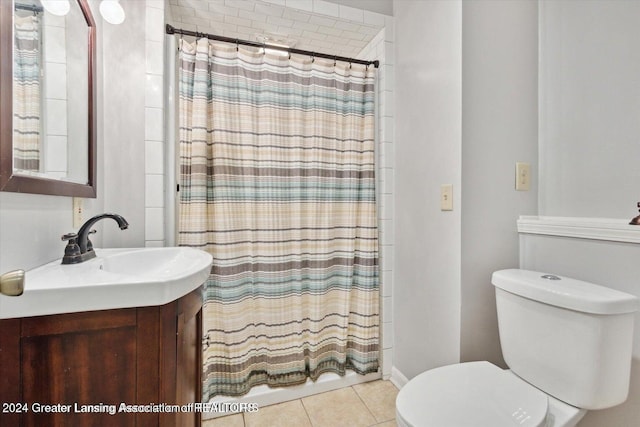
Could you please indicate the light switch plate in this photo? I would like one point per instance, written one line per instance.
(77, 212)
(446, 197)
(523, 176)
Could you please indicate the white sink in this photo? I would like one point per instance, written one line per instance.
(116, 278)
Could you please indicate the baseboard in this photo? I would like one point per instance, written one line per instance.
(397, 378)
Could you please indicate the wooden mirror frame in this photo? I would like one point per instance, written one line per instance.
(27, 184)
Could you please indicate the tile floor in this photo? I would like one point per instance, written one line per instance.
(362, 405)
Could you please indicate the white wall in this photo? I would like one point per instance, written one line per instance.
(384, 7)
(31, 225)
(154, 124)
(589, 105)
(124, 119)
(428, 153)
(589, 108)
(610, 264)
(499, 127)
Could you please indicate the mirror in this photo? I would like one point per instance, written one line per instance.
(47, 92)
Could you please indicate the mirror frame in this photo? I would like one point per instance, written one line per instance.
(9, 181)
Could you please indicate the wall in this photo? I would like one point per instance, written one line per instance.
(589, 108)
(381, 48)
(428, 125)
(124, 124)
(31, 224)
(384, 7)
(154, 124)
(589, 104)
(55, 95)
(610, 264)
(499, 127)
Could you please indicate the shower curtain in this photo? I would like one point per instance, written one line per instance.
(26, 93)
(277, 183)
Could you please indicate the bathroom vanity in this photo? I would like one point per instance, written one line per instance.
(114, 341)
(131, 356)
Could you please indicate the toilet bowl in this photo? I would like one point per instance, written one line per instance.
(479, 394)
(568, 346)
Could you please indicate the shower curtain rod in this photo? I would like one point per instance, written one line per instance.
(173, 30)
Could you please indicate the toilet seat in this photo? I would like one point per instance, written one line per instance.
(474, 394)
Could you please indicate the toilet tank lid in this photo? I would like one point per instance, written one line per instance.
(565, 292)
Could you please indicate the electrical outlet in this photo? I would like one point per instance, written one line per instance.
(78, 211)
(446, 197)
(523, 176)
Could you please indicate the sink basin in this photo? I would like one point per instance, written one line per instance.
(116, 278)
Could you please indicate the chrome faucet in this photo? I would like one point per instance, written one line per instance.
(79, 248)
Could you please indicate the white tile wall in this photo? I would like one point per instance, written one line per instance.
(380, 48)
(245, 19)
(56, 120)
(55, 94)
(56, 80)
(56, 155)
(154, 121)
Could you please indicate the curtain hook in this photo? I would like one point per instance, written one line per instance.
(335, 61)
(237, 45)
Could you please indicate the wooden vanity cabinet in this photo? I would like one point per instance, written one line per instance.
(135, 356)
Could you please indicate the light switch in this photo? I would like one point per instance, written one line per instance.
(446, 197)
(523, 176)
(77, 212)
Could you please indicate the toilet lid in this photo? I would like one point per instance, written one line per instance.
(474, 394)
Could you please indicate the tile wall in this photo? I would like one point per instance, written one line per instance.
(381, 48)
(55, 66)
(314, 25)
(154, 124)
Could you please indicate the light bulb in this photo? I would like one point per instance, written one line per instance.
(56, 7)
(112, 12)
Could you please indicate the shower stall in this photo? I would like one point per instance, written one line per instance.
(267, 392)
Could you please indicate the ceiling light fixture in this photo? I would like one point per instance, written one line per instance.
(275, 44)
(112, 11)
(56, 7)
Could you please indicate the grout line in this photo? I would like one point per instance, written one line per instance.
(306, 412)
(365, 403)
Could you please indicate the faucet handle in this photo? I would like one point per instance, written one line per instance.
(72, 250)
(69, 236)
(89, 244)
(636, 220)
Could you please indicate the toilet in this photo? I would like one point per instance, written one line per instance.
(567, 343)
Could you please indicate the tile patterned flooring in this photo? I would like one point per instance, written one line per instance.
(361, 405)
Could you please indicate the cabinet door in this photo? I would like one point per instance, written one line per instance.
(10, 372)
(77, 362)
(189, 356)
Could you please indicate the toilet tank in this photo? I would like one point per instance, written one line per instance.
(569, 338)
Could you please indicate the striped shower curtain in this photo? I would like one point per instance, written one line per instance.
(277, 183)
(26, 93)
